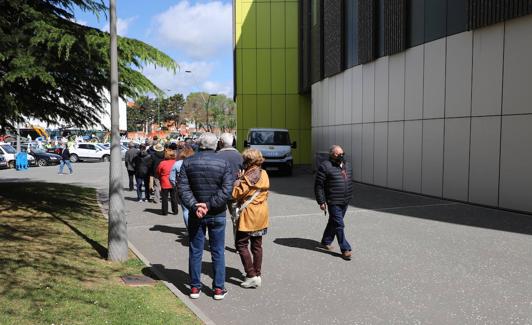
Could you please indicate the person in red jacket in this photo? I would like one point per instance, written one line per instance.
(163, 174)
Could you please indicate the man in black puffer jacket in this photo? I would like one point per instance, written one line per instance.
(205, 184)
(333, 188)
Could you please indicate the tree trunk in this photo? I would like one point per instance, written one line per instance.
(117, 236)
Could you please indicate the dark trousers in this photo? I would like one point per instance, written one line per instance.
(335, 227)
(165, 192)
(253, 265)
(131, 175)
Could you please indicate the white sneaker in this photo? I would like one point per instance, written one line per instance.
(253, 282)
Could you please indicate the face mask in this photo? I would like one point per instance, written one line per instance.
(339, 158)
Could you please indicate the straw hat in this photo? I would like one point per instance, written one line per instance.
(158, 147)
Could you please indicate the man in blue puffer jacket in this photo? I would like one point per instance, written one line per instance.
(205, 184)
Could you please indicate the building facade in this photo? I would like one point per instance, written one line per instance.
(426, 96)
(266, 60)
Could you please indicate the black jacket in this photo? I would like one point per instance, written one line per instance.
(233, 157)
(65, 154)
(156, 158)
(142, 162)
(333, 183)
(205, 178)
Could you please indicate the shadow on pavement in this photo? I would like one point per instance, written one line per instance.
(182, 236)
(304, 243)
(410, 205)
(180, 279)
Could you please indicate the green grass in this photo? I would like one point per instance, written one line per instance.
(53, 270)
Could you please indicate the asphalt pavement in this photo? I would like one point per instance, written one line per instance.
(416, 260)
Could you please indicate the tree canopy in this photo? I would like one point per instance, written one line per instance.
(53, 69)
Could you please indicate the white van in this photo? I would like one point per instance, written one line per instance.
(9, 153)
(275, 146)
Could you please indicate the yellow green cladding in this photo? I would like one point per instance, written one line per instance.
(266, 58)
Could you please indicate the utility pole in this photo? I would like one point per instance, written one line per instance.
(117, 232)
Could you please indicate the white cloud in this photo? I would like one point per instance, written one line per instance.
(183, 82)
(200, 30)
(122, 25)
(225, 88)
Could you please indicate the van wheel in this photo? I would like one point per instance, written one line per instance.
(11, 164)
(74, 158)
(106, 158)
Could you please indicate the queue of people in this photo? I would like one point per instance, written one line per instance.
(216, 178)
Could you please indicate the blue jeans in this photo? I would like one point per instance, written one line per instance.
(62, 164)
(335, 227)
(196, 231)
(140, 182)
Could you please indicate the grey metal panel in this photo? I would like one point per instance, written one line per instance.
(316, 42)
(356, 91)
(434, 79)
(397, 87)
(432, 161)
(356, 151)
(366, 30)
(395, 155)
(515, 191)
(324, 113)
(339, 98)
(368, 92)
(415, 26)
(458, 75)
(332, 102)
(315, 102)
(457, 16)
(348, 105)
(394, 26)
(380, 156)
(381, 89)
(332, 37)
(414, 83)
(413, 134)
(456, 158)
(484, 161)
(517, 78)
(435, 19)
(487, 70)
(367, 152)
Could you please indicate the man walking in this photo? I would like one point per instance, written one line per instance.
(205, 184)
(131, 153)
(333, 189)
(65, 160)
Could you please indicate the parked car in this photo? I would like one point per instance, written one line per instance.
(89, 151)
(9, 153)
(55, 149)
(44, 158)
(107, 146)
(3, 162)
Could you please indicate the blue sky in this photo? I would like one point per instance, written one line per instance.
(196, 34)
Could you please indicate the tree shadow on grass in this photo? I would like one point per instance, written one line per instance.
(33, 237)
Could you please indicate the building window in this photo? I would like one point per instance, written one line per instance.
(351, 33)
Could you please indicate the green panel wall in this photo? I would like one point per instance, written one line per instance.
(266, 72)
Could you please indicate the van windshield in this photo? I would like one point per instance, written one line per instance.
(270, 138)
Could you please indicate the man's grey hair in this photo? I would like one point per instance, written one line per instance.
(208, 141)
(333, 148)
(227, 140)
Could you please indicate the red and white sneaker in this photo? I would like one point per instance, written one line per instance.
(219, 294)
(194, 293)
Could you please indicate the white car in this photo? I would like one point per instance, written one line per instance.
(89, 151)
(10, 153)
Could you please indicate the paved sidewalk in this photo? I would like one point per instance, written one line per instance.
(415, 259)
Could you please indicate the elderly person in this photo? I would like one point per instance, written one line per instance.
(230, 154)
(250, 191)
(204, 187)
(333, 189)
(184, 153)
(131, 153)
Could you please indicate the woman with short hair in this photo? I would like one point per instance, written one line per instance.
(250, 191)
(163, 174)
